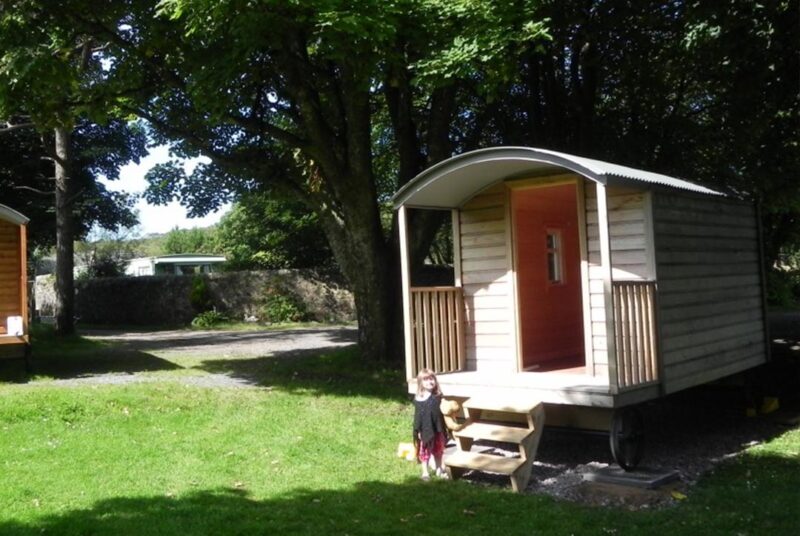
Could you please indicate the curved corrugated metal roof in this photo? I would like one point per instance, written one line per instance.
(451, 183)
(9, 214)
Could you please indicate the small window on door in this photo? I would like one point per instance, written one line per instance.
(555, 272)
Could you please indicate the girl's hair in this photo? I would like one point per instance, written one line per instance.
(428, 373)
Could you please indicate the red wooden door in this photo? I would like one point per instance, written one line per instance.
(547, 263)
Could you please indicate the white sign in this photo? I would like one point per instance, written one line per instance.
(14, 325)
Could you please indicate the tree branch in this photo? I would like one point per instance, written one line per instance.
(112, 37)
(12, 127)
(256, 125)
(35, 190)
(51, 153)
(299, 71)
(232, 164)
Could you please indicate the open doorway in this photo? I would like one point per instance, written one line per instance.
(548, 268)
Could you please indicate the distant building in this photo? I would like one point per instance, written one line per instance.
(180, 264)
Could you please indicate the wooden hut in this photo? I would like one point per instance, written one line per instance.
(13, 284)
(581, 284)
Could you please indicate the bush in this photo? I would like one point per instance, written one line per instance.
(209, 319)
(279, 307)
(200, 296)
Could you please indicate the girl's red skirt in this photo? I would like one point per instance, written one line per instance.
(436, 450)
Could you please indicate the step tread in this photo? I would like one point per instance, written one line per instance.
(494, 432)
(502, 404)
(484, 462)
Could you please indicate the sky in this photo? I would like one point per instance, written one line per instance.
(158, 219)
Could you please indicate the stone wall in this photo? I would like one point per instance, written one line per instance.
(165, 300)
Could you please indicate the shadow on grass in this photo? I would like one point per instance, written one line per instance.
(322, 372)
(222, 341)
(368, 508)
(76, 357)
(98, 362)
(326, 363)
(753, 495)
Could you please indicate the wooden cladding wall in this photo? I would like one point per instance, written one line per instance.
(437, 329)
(10, 292)
(486, 280)
(630, 252)
(709, 285)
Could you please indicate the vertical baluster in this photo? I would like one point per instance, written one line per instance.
(446, 329)
(618, 321)
(646, 350)
(638, 354)
(451, 314)
(445, 299)
(420, 331)
(632, 330)
(651, 304)
(460, 350)
(453, 330)
(631, 287)
(627, 323)
(623, 365)
(434, 309)
(620, 347)
(417, 330)
(426, 312)
(413, 316)
(443, 329)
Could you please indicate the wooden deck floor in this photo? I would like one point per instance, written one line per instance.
(563, 387)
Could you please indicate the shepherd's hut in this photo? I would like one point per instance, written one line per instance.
(13, 284)
(581, 286)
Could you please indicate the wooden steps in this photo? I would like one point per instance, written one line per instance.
(484, 462)
(512, 421)
(494, 432)
(494, 403)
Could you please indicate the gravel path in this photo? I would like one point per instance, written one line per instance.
(688, 433)
(230, 343)
(220, 344)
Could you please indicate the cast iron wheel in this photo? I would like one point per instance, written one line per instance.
(627, 437)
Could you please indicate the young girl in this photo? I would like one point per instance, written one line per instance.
(429, 428)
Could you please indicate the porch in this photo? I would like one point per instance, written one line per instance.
(437, 341)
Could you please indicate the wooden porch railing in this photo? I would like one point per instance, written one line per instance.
(635, 332)
(437, 329)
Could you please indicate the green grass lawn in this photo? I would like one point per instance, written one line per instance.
(310, 452)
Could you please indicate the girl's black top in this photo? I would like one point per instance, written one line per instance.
(428, 420)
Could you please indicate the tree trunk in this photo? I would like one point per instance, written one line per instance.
(379, 329)
(368, 264)
(65, 284)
